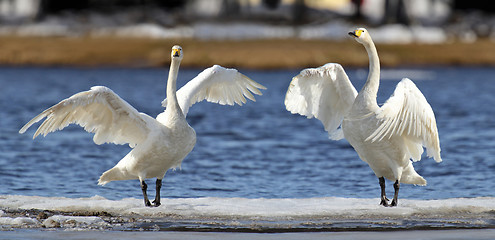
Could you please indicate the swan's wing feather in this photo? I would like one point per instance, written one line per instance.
(407, 113)
(324, 93)
(99, 111)
(218, 85)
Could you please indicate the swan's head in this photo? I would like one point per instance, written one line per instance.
(177, 52)
(361, 35)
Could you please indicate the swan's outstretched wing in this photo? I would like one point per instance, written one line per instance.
(324, 93)
(219, 85)
(407, 113)
(98, 110)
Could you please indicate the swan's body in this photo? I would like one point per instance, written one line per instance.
(385, 137)
(158, 144)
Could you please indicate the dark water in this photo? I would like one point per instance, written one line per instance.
(256, 151)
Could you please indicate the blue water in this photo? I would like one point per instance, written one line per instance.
(258, 150)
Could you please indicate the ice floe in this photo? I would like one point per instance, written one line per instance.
(215, 213)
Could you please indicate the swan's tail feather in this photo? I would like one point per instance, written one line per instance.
(410, 176)
(112, 174)
(416, 180)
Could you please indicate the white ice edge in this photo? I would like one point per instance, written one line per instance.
(270, 209)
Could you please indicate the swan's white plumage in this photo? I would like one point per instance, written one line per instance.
(99, 111)
(158, 144)
(325, 93)
(386, 137)
(217, 84)
(407, 114)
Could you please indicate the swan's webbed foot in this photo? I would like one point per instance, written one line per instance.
(156, 203)
(384, 202)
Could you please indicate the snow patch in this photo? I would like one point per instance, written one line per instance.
(241, 31)
(144, 31)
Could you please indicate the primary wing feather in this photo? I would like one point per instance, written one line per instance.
(218, 85)
(407, 113)
(99, 111)
(324, 93)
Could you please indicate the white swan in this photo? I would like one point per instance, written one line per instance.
(385, 137)
(158, 144)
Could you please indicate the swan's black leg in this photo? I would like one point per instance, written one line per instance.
(157, 196)
(395, 201)
(384, 199)
(144, 187)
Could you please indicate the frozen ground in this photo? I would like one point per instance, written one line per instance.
(243, 215)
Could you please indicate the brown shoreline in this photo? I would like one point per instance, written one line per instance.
(253, 54)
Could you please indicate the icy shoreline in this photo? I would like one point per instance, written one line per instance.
(243, 215)
(334, 30)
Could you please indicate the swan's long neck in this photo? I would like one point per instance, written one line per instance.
(173, 109)
(370, 88)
